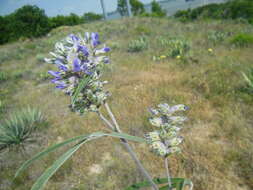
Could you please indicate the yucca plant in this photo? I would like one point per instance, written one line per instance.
(19, 128)
(80, 62)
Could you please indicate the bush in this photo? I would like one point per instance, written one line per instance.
(90, 17)
(242, 40)
(217, 36)
(137, 7)
(177, 47)
(20, 127)
(138, 45)
(3, 77)
(236, 9)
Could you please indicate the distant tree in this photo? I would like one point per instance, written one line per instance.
(90, 17)
(4, 34)
(137, 7)
(28, 21)
(61, 20)
(157, 9)
(73, 19)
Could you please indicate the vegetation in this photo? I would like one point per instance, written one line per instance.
(235, 9)
(20, 127)
(242, 40)
(31, 22)
(137, 7)
(138, 45)
(217, 153)
(249, 79)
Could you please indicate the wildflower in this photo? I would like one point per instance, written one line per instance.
(165, 141)
(79, 61)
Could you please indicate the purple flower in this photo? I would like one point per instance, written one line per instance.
(54, 73)
(61, 66)
(106, 60)
(74, 37)
(83, 49)
(85, 69)
(56, 79)
(76, 65)
(106, 49)
(95, 39)
(61, 85)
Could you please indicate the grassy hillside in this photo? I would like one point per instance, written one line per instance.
(218, 149)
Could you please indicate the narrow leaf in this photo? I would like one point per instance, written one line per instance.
(126, 136)
(48, 150)
(42, 180)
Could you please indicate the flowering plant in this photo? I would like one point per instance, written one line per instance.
(80, 61)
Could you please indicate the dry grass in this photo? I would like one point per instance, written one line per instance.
(217, 153)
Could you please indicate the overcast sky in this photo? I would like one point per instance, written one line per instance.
(54, 7)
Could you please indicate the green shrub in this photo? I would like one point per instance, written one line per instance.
(20, 127)
(142, 30)
(236, 9)
(242, 40)
(217, 36)
(40, 58)
(138, 45)
(177, 47)
(3, 77)
(2, 106)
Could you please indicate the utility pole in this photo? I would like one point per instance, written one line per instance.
(129, 8)
(104, 10)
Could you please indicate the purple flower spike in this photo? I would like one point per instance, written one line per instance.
(74, 37)
(83, 49)
(61, 66)
(76, 65)
(54, 73)
(60, 85)
(106, 49)
(106, 60)
(95, 39)
(56, 79)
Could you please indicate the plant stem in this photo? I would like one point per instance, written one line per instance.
(130, 150)
(167, 172)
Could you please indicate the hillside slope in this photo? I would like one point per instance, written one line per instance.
(218, 149)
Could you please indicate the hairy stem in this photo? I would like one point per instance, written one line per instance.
(130, 150)
(166, 163)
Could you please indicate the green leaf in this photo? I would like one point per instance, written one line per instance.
(178, 183)
(42, 180)
(81, 85)
(126, 136)
(81, 138)
(247, 79)
(50, 149)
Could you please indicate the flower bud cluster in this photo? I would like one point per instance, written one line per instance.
(165, 140)
(80, 60)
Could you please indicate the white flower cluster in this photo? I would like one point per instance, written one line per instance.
(80, 61)
(165, 141)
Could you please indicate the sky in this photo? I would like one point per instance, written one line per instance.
(64, 7)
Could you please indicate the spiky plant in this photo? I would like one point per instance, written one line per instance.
(20, 127)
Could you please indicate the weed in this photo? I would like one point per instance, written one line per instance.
(216, 37)
(242, 40)
(19, 128)
(3, 77)
(138, 45)
(248, 79)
